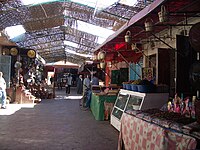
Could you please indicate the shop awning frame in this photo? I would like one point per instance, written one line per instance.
(178, 11)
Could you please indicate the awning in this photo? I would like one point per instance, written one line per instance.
(132, 21)
(177, 10)
(62, 64)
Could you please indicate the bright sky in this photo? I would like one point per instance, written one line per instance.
(15, 31)
(98, 4)
(95, 30)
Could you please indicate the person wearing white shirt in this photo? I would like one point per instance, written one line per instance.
(2, 91)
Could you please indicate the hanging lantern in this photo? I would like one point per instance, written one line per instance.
(162, 14)
(148, 25)
(94, 57)
(98, 65)
(102, 65)
(128, 37)
(101, 55)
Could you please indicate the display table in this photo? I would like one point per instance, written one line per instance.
(97, 104)
(137, 133)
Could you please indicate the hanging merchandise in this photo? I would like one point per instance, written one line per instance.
(13, 51)
(195, 75)
(102, 65)
(162, 14)
(18, 64)
(31, 53)
(101, 55)
(128, 37)
(148, 25)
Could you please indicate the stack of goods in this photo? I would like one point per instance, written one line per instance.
(185, 106)
(166, 119)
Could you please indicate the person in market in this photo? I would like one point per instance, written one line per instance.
(80, 84)
(86, 92)
(2, 91)
(95, 80)
(69, 83)
(59, 83)
(86, 83)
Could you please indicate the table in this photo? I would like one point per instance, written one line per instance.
(137, 134)
(97, 104)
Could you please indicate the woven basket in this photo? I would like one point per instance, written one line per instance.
(197, 111)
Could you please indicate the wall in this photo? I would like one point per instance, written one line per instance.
(168, 36)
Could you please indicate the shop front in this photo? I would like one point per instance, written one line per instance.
(162, 53)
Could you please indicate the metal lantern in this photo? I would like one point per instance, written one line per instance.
(128, 37)
(148, 25)
(162, 14)
(102, 65)
(101, 55)
(94, 57)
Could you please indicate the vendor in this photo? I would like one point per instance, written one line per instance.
(95, 80)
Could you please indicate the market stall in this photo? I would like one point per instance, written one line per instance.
(154, 129)
(102, 102)
(99, 103)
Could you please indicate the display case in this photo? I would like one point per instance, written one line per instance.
(129, 100)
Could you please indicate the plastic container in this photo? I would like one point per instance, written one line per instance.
(145, 88)
(128, 86)
(134, 87)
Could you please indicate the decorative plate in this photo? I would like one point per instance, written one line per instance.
(31, 53)
(13, 51)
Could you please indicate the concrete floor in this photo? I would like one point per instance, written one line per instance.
(54, 124)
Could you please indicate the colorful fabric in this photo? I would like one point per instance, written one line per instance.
(137, 134)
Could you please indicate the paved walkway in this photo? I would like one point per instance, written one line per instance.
(54, 124)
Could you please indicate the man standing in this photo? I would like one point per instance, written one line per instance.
(80, 85)
(2, 91)
(69, 83)
(86, 83)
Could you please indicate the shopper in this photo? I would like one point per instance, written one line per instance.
(86, 83)
(80, 85)
(59, 83)
(95, 80)
(2, 91)
(68, 84)
(85, 102)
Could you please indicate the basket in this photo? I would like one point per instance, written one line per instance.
(197, 110)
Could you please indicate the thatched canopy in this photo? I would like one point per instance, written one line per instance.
(48, 25)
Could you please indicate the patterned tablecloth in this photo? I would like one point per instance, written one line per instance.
(137, 134)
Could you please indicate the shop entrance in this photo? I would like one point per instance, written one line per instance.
(119, 76)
